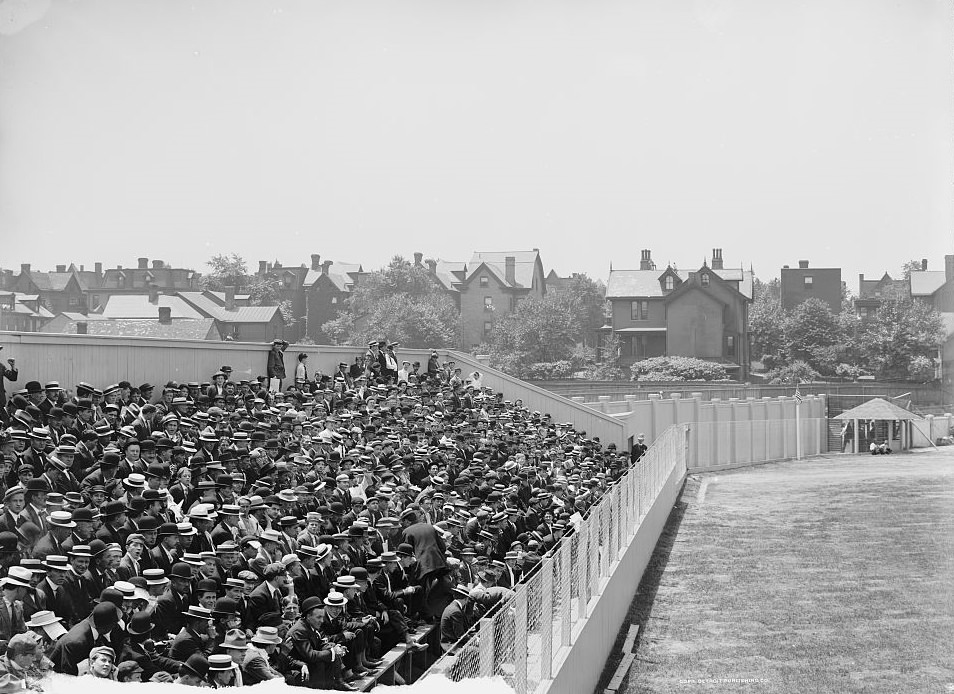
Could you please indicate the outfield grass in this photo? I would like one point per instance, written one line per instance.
(829, 575)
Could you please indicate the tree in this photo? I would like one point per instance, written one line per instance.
(767, 322)
(909, 267)
(226, 270)
(401, 303)
(231, 271)
(902, 330)
(587, 298)
(542, 330)
(813, 334)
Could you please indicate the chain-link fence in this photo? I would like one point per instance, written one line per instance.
(525, 639)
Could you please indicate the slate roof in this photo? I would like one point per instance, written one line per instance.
(926, 282)
(180, 329)
(645, 283)
(209, 308)
(50, 281)
(338, 273)
(526, 262)
(450, 273)
(138, 306)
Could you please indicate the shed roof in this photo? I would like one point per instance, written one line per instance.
(878, 408)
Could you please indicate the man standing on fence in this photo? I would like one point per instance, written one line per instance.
(639, 448)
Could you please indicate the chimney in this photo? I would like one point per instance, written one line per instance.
(315, 261)
(262, 267)
(948, 268)
(230, 298)
(646, 261)
(61, 268)
(325, 265)
(25, 268)
(98, 268)
(418, 257)
(153, 294)
(119, 267)
(431, 266)
(803, 264)
(144, 263)
(716, 258)
(82, 327)
(510, 263)
(165, 315)
(923, 264)
(157, 264)
(82, 268)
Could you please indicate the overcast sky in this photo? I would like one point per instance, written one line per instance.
(815, 129)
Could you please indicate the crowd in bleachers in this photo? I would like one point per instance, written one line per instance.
(297, 526)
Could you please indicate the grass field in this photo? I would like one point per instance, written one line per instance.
(828, 575)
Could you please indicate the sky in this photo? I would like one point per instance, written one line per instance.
(809, 129)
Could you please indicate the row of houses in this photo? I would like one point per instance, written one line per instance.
(652, 311)
(158, 300)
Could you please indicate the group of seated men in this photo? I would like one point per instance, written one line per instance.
(222, 534)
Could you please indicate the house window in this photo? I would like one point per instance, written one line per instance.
(484, 281)
(488, 326)
(640, 310)
(808, 282)
(705, 279)
(488, 303)
(74, 301)
(287, 281)
(669, 283)
(730, 345)
(334, 300)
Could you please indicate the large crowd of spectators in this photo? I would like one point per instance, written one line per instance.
(293, 526)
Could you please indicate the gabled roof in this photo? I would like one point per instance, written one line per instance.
(881, 288)
(450, 273)
(208, 307)
(138, 306)
(647, 283)
(340, 274)
(496, 261)
(693, 283)
(51, 281)
(926, 282)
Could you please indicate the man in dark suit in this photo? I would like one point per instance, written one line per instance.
(430, 552)
(193, 637)
(168, 615)
(164, 554)
(9, 373)
(455, 620)
(51, 593)
(60, 524)
(75, 645)
(267, 597)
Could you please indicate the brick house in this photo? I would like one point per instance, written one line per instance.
(326, 287)
(58, 291)
(494, 284)
(872, 292)
(702, 314)
(803, 282)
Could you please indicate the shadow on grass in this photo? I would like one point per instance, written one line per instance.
(642, 604)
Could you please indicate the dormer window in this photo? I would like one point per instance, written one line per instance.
(668, 283)
(484, 281)
(705, 279)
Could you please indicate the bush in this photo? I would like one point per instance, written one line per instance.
(677, 369)
(797, 370)
(548, 370)
(921, 369)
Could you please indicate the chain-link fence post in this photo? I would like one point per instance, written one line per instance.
(546, 621)
(520, 641)
(486, 633)
(566, 574)
(583, 566)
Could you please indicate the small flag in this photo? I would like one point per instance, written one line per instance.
(798, 396)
